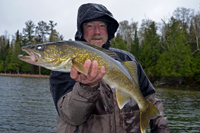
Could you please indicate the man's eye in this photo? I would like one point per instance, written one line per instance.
(103, 25)
(89, 26)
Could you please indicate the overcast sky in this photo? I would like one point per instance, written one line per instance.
(14, 13)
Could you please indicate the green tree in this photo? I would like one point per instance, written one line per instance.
(13, 63)
(7, 61)
(119, 43)
(2, 66)
(4, 48)
(176, 61)
(28, 32)
(195, 30)
(135, 46)
(150, 50)
(196, 67)
(53, 33)
(42, 30)
(54, 36)
(194, 35)
(126, 30)
(142, 31)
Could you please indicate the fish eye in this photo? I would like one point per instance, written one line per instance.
(40, 47)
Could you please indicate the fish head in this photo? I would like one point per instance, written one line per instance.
(48, 55)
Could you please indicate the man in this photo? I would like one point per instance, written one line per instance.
(87, 105)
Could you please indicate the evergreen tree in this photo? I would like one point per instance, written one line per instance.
(150, 50)
(52, 25)
(54, 36)
(28, 32)
(42, 30)
(13, 63)
(4, 46)
(135, 46)
(195, 26)
(176, 61)
(1, 66)
(119, 43)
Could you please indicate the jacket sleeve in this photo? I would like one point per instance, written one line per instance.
(158, 124)
(60, 84)
(76, 106)
(74, 101)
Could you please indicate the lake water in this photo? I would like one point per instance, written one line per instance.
(26, 106)
(182, 108)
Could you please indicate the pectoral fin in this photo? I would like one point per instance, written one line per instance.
(122, 98)
(79, 67)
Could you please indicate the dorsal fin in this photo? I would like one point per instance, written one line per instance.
(132, 68)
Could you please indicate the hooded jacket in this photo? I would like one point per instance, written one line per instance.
(82, 109)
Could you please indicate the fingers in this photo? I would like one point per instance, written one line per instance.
(87, 65)
(102, 72)
(91, 79)
(94, 70)
(74, 73)
(97, 78)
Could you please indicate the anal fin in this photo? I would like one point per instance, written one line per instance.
(122, 99)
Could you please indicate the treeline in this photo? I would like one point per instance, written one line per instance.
(32, 34)
(168, 51)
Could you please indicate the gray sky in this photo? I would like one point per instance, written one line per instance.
(14, 13)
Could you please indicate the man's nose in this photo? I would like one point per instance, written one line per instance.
(96, 30)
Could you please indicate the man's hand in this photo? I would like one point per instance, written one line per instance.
(91, 79)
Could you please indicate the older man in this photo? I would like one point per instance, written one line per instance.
(85, 104)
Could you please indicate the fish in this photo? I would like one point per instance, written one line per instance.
(120, 76)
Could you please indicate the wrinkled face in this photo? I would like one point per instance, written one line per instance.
(95, 32)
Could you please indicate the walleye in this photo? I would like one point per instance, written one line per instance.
(122, 76)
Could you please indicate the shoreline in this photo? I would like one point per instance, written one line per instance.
(196, 87)
(25, 75)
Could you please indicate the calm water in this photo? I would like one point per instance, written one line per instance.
(26, 106)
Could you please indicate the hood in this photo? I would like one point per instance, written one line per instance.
(90, 12)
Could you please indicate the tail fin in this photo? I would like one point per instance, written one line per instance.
(151, 112)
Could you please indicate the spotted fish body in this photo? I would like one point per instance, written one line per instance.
(122, 76)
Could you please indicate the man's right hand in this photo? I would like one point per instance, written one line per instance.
(91, 79)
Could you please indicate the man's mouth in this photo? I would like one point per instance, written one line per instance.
(96, 39)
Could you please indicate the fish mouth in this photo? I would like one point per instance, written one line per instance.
(30, 58)
(33, 58)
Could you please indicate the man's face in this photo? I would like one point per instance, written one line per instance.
(95, 32)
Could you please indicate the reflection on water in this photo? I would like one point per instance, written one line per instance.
(26, 106)
(182, 107)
